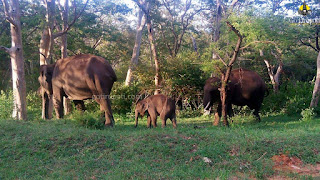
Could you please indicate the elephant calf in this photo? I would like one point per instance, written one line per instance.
(156, 105)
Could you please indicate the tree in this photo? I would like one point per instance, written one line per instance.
(316, 90)
(225, 76)
(145, 7)
(12, 15)
(180, 17)
(136, 48)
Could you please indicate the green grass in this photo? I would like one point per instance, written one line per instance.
(61, 149)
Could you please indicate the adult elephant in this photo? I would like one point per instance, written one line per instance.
(245, 87)
(78, 78)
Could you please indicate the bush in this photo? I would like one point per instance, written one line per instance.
(6, 104)
(123, 98)
(291, 99)
(308, 114)
(34, 105)
(89, 119)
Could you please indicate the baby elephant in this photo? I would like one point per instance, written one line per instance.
(157, 105)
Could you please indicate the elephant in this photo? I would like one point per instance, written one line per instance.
(79, 77)
(245, 87)
(156, 105)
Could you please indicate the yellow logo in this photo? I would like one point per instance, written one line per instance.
(304, 9)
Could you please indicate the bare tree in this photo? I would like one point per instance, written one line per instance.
(179, 22)
(136, 49)
(316, 90)
(145, 7)
(225, 76)
(12, 15)
(273, 72)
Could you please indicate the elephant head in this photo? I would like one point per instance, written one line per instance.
(45, 80)
(141, 108)
(211, 92)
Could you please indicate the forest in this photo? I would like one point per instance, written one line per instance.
(238, 79)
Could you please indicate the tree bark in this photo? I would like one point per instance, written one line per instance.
(136, 48)
(274, 77)
(316, 89)
(63, 48)
(46, 41)
(225, 77)
(157, 77)
(12, 14)
(218, 22)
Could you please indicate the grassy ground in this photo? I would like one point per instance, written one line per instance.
(60, 149)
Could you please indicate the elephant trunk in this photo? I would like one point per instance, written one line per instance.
(136, 118)
(47, 105)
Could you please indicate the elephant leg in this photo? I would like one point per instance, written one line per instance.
(163, 120)
(106, 107)
(153, 116)
(46, 106)
(230, 111)
(174, 121)
(79, 105)
(58, 103)
(217, 115)
(149, 121)
(256, 113)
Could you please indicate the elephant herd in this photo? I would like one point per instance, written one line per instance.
(87, 76)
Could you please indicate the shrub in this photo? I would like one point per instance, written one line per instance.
(123, 97)
(89, 119)
(291, 99)
(308, 114)
(6, 103)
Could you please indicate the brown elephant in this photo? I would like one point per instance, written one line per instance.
(245, 87)
(78, 78)
(156, 105)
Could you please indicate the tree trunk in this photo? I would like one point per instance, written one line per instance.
(136, 49)
(63, 48)
(225, 77)
(12, 13)
(44, 48)
(316, 89)
(46, 42)
(274, 78)
(218, 22)
(157, 77)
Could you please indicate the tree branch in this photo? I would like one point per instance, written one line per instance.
(8, 50)
(7, 14)
(308, 44)
(76, 17)
(236, 51)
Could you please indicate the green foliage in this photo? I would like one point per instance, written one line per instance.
(308, 114)
(34, 105)
(6, 103)
(190, 113)
(291, 99)
(183, 75)
(123, 98)
(87, 119)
